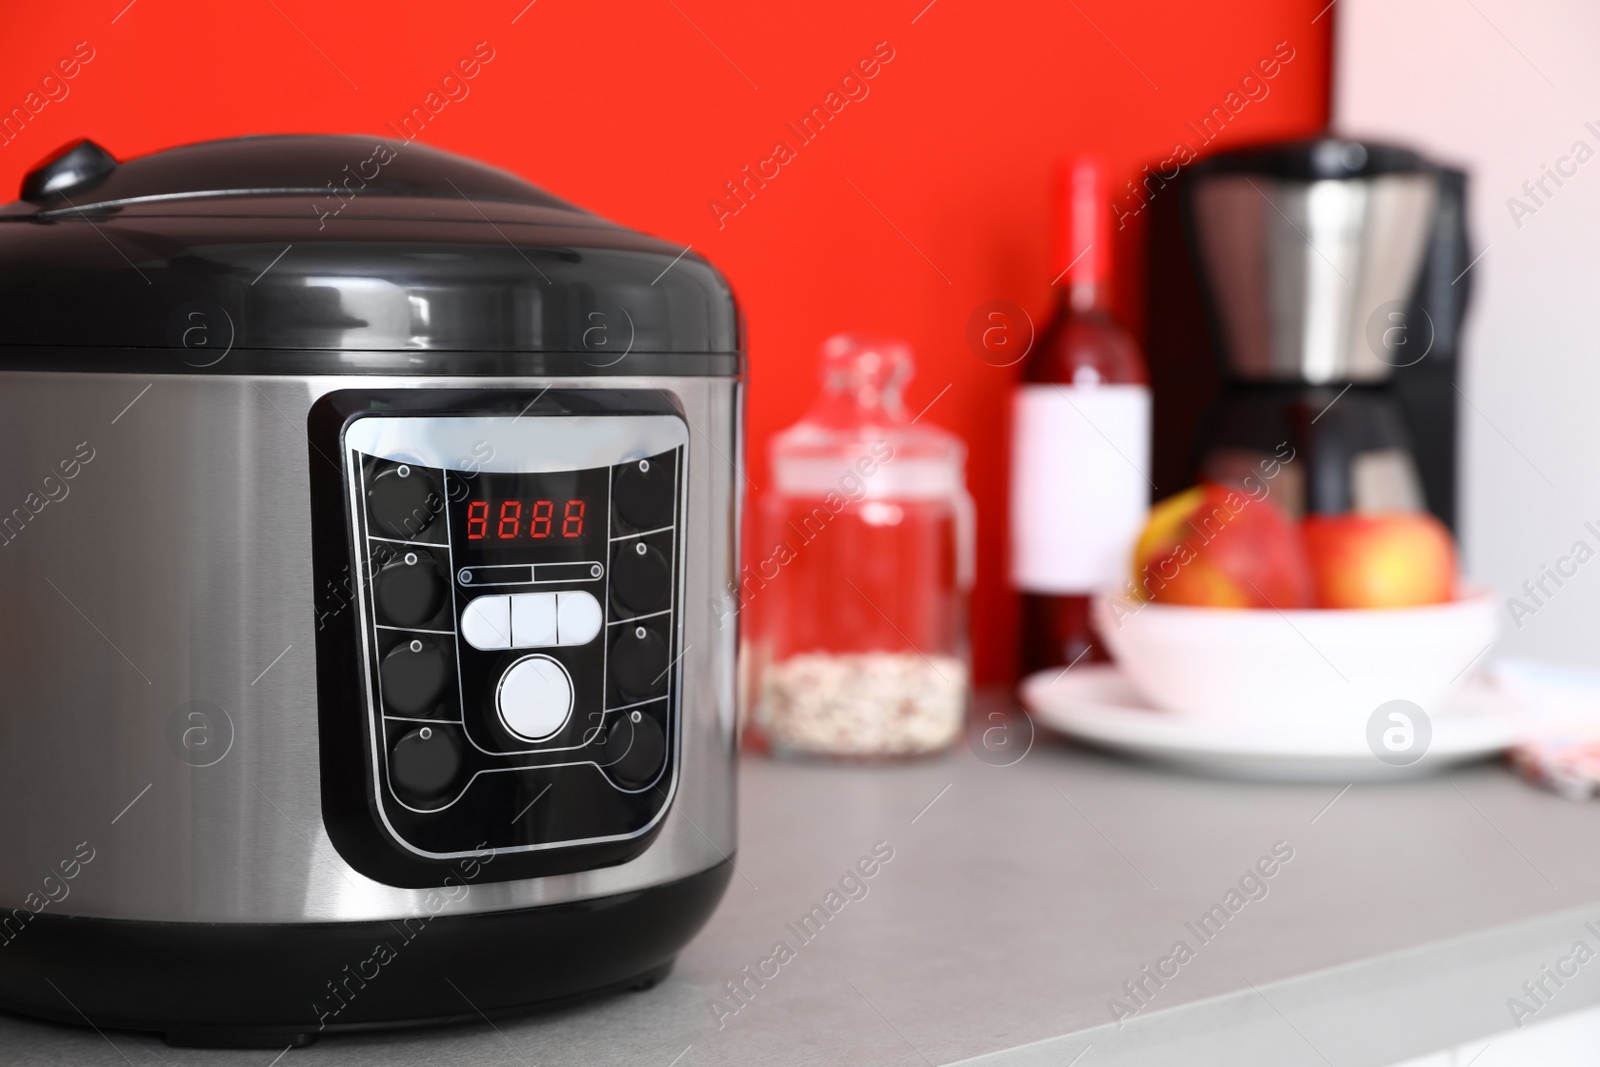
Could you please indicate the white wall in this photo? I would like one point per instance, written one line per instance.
(1503, 86)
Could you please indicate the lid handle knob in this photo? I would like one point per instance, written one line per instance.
(71, 168)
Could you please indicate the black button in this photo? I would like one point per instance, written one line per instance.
(639, 663)
(643, 493)
(414, 674)
(403, 502)
(409, 589)
(424, 763)
(640, 579)
(635, 749)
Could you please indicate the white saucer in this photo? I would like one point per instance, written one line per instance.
(1097, 704)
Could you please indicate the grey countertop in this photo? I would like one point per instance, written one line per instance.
(1020, 899)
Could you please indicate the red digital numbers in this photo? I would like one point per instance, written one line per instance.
(510, 519)
(509, 526)
(540, 526)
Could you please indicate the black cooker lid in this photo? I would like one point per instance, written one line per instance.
(339, 254)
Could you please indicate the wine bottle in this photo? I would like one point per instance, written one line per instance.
(1080, 439)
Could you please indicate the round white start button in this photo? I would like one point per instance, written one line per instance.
(534, 697)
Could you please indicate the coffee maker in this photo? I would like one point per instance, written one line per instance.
(1308, 296)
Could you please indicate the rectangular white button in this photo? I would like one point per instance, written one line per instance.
(533, 620)
(578, 618)
(486, 622)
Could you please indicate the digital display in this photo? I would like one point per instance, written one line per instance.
(500, 517)
(532, 520)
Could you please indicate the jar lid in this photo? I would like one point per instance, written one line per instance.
(858, 440)
(339, 254)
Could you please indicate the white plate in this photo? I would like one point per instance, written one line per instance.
(1097, 704)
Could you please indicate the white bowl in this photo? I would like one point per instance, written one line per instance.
(1322, 668)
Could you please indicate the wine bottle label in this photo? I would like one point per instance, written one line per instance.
(1080, 488)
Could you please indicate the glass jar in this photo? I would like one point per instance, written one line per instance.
(861, 569)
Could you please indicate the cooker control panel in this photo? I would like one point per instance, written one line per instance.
(520, 616)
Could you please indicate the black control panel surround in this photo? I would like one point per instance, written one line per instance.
(531, 715)
(520, 688)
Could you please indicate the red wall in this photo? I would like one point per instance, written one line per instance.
(642, 110)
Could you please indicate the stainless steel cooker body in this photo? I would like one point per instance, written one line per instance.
(368, 519)
(161, 668)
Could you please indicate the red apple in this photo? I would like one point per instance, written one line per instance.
(1392, 560)
(1216, 546)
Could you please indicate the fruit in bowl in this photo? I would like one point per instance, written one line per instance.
(1221, 547)
(1216, 546)
(1367, 611)
(1398, 560)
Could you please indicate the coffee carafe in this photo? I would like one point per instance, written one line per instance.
(1316, 259)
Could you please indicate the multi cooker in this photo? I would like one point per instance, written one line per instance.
(366, 517)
